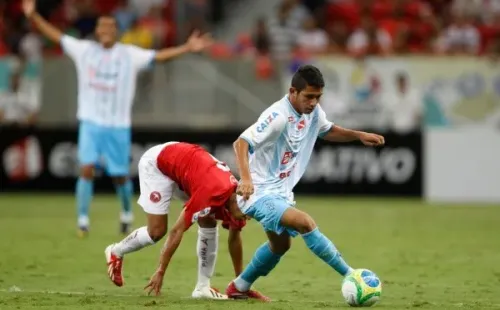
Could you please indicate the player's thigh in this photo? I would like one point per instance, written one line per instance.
(279, 243)
(268, 210)
(298, 220)
(88, 144)
(156, 189)
(116, 151)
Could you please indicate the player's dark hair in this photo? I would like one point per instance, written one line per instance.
(307, 75)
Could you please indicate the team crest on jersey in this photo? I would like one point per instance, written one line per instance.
(301, 125)
(291, 119)
(262, 126)
(155, 197)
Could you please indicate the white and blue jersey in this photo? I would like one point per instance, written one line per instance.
(106, 90)
(281, 143)
(106, 79)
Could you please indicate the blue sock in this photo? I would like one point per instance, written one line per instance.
(84, 192)
(320, 245)
(263, 261)
(125, 192)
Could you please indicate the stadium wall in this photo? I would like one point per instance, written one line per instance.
(45, 159)
(456, 155)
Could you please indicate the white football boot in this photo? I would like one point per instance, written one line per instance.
(208, 293)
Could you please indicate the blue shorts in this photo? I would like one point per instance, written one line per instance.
(96, 143)
(268, 210)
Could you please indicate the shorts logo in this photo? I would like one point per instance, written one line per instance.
(266, 122)
(155, 197)
(233, 180)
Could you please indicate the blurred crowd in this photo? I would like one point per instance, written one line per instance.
(377, 27)
(146, 23)
(354, 27)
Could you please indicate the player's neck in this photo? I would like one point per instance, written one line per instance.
(108, 46)
(292, 105)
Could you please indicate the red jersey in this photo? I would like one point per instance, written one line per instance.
(208, 182)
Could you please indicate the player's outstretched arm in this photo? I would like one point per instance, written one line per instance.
(195, 43)
(47, 29)
(339, 134)
(174, 238)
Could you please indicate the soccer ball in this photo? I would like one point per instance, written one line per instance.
(361, 288)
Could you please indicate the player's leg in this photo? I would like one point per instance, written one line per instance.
(140, 238)
(116, 152)
(88, 155)
(156, 192)
(318, 243)
(268, 211)
(263, 262)
(235, 246)
(206, 250)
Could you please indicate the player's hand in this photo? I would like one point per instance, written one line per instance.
(245, 189)
(197, 42)
(155, 284)
(371, 139)
(29, 7)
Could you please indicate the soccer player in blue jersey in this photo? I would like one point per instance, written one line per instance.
(272, 156)
(107, 71)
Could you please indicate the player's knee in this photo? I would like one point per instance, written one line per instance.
(157, 232)
(279, 248)
(305, 224)
(87, 172)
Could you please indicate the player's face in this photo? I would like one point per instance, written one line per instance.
(307, 99)
(106, 30)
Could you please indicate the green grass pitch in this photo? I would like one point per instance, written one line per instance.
(428, 257)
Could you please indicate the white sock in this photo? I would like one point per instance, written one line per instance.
(137, 240)
(83, 221)
(126, 217)
(242, 285)
(206, 249)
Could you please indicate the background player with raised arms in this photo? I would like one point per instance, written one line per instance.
(281, 143)
(107, 71)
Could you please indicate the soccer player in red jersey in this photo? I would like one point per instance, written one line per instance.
(183, 170)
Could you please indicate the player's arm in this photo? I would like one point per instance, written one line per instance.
(265, 131)
(46, 28)
(195, 43)
(334, 133)
(174, 238)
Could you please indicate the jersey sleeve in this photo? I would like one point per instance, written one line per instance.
(323, 123)
(267, 129)
(141, 58)
(73, 47)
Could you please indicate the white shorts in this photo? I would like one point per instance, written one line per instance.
(156, 188)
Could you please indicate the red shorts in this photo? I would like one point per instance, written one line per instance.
(228, 222)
